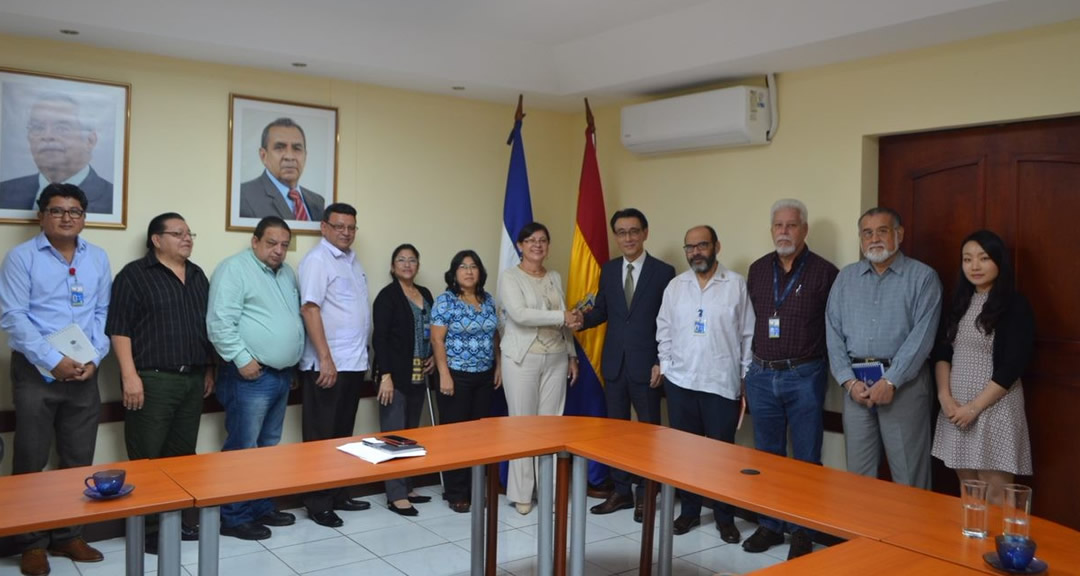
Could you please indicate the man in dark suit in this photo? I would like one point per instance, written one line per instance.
(629, 298)
(277, 192)
(62, 146)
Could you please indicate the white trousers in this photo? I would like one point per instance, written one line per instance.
(536, 387)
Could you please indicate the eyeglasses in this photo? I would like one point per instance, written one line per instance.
(868, 234)
(699, 247)
(58, 128)
(628, 233)
(539, 241)
(468, 267)
(73, 213)
(409, 261)
(179, 235)
(341, 227)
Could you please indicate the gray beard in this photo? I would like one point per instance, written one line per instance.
(879, 257)
(785, 250)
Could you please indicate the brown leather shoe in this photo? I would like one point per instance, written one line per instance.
(78, 550)
(35, 562)
(614, 503)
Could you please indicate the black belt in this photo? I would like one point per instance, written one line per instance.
(786, 364)
(884, 361)
(185, 369)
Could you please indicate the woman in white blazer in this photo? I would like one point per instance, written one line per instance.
(537, 346)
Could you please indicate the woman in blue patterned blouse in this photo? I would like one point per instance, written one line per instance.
(466, 346)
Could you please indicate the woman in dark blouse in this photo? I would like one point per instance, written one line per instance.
(466, 345)
(401, 338)
(987, 337)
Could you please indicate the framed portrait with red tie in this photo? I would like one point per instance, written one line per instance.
(282, 162)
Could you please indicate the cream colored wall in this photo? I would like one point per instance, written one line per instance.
(420, 168)
(825, 151)
(431, 169)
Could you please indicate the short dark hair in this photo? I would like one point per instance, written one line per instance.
(281, 123)
(401, 248)
(61, 191)
(157, 226)
(897, 221)
(270, 222)
(712, 232)
(630, 213)
(338, 208)
(451, 275)
(530, 229)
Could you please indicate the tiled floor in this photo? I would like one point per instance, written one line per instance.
(377, 542)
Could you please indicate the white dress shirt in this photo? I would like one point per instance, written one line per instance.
(715, 357)
(637, 268)
(335, 282)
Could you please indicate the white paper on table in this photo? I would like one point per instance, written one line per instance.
(374, 455)
(72, 342)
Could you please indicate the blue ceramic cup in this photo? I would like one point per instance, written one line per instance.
(106, 482)
(1015, 552)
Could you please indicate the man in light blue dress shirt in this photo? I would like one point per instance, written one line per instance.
(53, 281)
(883, 312)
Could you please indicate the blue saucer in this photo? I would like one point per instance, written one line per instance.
(95, 495)
(1036, 567)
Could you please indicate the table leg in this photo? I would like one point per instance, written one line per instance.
(169, 544)
(544, 508)
(476, 544)
(648, 520)
(134, 536)
(667, 512)
(562, 502)
(579, 478)
(209, 540)
(492, 506)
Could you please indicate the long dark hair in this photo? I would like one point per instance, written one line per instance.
(1001, 293)
(451, 274)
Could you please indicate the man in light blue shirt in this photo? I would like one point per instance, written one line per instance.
(54, 281)
(253, 321)
(883, 314)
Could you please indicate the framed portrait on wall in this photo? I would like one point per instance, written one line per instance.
(59, 129)
(282, 162)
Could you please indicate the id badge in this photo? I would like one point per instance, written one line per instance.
(77, 296)
(699, 326)
(774, 327)
(427, 330)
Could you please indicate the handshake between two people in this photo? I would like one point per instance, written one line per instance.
(574, 319)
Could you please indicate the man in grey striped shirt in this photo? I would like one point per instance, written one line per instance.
(884, 309)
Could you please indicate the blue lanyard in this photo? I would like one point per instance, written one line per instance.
(778, 299)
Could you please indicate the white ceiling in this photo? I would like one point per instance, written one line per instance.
(553, 51)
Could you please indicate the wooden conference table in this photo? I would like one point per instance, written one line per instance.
(54, 499)
(891, 529)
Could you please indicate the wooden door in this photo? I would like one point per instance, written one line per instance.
(1022, 181)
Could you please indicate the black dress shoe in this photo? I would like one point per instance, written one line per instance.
(729, 533)
(351, 505)
(407, 511)
(419, 499)
(639, 512)
(614, 503)
(276, 518)
(189, 532)
(249, 531)
(761, 540)
(328, 518)
(684, 523)
(801, 544)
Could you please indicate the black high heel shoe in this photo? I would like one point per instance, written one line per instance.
(419, 499)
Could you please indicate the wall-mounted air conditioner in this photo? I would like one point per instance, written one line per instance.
(737, 116)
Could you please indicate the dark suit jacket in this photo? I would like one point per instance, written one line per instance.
(392, 336)
(19, 193)
(631, 333)
(259, 198)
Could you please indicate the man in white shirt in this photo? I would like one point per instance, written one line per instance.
(334, 306)
(704, 333)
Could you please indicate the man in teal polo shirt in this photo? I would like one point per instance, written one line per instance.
(253, 320)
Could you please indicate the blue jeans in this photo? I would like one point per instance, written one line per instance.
(254, 417)
(783, 399)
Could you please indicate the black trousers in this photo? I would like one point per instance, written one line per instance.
(402, 413)
(328, 413)
(66, 412)
(471, 401)
(620, 394)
